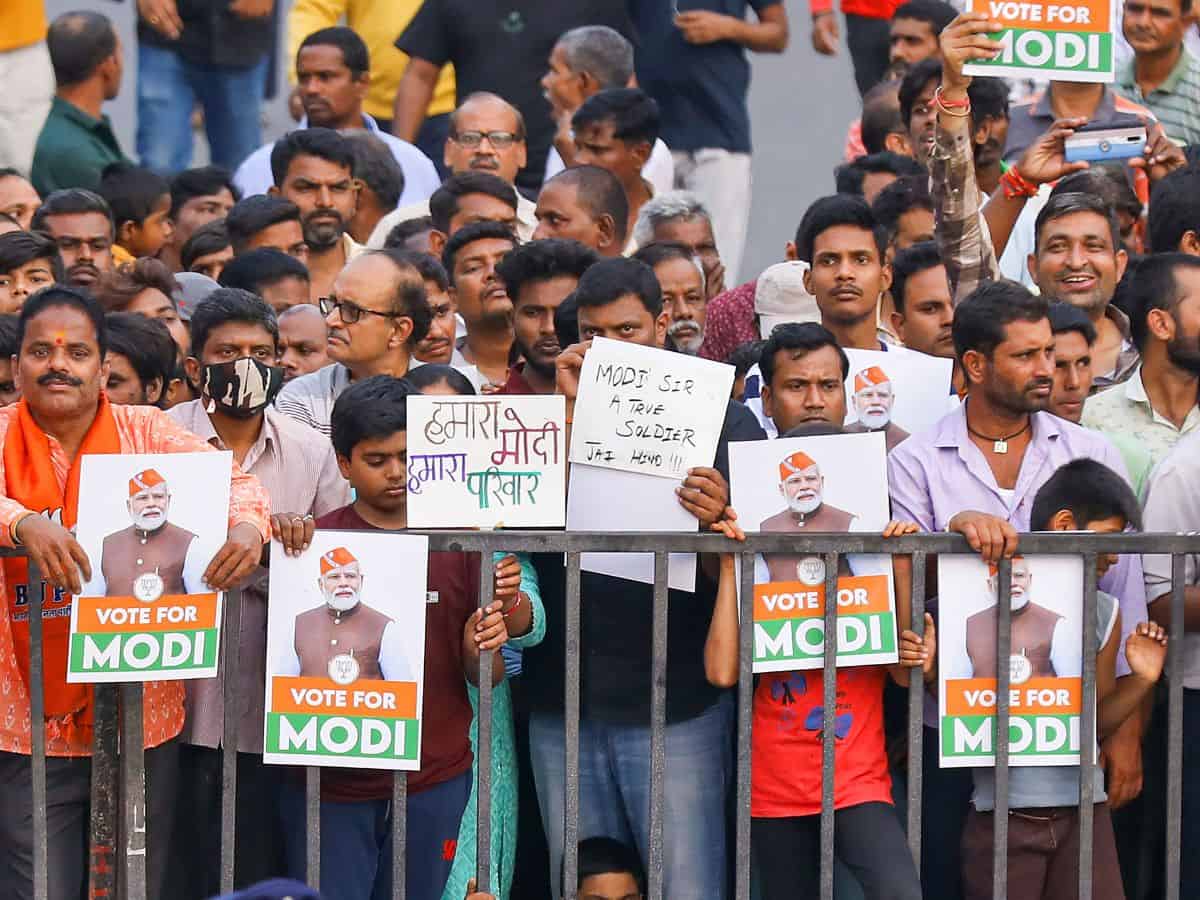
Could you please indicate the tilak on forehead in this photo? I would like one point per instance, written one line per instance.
(60, 338)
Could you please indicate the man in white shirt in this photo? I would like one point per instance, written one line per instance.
(584, 62)
(332, 74)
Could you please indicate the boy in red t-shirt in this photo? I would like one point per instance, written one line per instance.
(368, 428)
(785, 794)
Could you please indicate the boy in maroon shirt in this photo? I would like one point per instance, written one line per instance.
(368, 427)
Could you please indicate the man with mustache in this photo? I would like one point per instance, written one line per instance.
(314, 169)
(1164, 75)
(82, 225)
(803, 487)
(538, 277)
(471, 260)
(151, 557)
(874, 400)
(680, 274)
(345, 640)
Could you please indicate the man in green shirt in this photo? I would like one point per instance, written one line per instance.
(1162, 76)
(77, 141)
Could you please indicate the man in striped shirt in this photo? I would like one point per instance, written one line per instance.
(1163, 75)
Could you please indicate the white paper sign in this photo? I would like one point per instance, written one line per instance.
(346, 652)
(486, 462)
(150, 524)
(646, 410)
(646, 504)
(899, 392)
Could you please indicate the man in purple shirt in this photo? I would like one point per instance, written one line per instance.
(976, 472)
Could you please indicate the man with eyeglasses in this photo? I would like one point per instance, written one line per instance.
(487, 134)
(376, 314)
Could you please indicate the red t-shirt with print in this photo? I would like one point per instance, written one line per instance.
(786, 752)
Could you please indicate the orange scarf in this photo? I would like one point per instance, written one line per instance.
(31, 481)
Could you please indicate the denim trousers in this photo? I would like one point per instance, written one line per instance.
(614, 793)
(169, 87)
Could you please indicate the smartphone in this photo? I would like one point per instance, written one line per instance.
(1122, 138)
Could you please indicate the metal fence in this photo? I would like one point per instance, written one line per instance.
(129, 783)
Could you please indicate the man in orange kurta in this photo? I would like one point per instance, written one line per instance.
(63, 416)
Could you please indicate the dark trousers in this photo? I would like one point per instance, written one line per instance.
(1043, 855)
(945, 802)
(1140, 826)
(868, 43)
(356, 841)
(867, 838)
(68, 810)
(258, 848)
(1190, 865)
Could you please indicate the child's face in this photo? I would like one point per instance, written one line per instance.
(1111, 525)
(378, 471)
(147, 237)
(609, 886)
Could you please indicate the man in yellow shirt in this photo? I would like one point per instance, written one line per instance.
(379, 23)
(28, 81)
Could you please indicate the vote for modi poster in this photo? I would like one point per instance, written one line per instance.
(805, 485)
(1044, 664)
(346, 652)
(150, 525)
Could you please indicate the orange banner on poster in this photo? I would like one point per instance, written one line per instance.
(127, 615)
(1085, 16)
(324, 696)
(1037, 696)
(857, 595)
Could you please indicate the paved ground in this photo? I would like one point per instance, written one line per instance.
(800, 106)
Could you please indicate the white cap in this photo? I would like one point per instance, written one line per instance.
(780, 297)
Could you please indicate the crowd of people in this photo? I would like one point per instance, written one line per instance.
(471, 195)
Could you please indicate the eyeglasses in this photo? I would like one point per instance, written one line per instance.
(501, 140)
(348, 312)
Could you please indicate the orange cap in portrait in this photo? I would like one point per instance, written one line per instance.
(144, 480)
(336, 559)
(796, 462)
(868, 377)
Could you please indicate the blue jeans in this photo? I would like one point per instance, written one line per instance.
(168, 88)
(614, 793)
(356, 841)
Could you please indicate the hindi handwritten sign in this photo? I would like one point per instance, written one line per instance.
(1050, 39)
(486, 462)
(150, 524)
(646, 410)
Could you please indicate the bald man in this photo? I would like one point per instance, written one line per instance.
(874, 400)
(150, 558)
(343, 639)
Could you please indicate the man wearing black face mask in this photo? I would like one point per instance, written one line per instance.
(234, 366)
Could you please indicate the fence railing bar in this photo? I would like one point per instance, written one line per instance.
(658, 727)
(828, 710)
(1000, 742)
(745, 717)
(1087, 739)
(1175, 670)
(105, 791)
(312, 825)
(37, 746)
(571, 732)
(231, 667)
(916, 716)
(483, 755)
(133, 792)
(399, 835)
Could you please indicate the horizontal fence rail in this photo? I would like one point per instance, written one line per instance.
(118, 816)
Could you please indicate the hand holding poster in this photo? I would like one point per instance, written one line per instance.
(1045, 697)
(828, 483)
(647, 410)
(486, 462)
(1063, 40)
(150, 524)
(896, 392)
(346, 652)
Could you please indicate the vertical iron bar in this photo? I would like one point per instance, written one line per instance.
(658, 726)
(399, 835)
(102, 853)
(483, 756)
(1087, 740)
(1000, 742)
(829, 704)
(1175, 727)
(231, 671)
(37, 746)
(745, 700)
(916, 715)
(312, 815)
(571, 733)
(133, 791)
